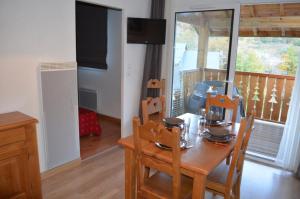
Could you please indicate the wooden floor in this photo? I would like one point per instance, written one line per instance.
(102, 177)
(98, 177)
(91, 145)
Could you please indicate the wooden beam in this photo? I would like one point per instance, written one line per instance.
(252, 11)
(278, 25)
(248, 22)
(282, 14)
(219, 33)
(254, 31)
(190, 19)
(270, 22)
(283, 32)
(249, 33)
(253, 14)
(202, 45)
(281, 10)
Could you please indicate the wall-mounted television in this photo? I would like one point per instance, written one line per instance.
(146, 31)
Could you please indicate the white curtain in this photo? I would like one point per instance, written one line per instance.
(289, 151)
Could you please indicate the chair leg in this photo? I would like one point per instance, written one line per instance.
(238, 187)
(227, 196)
(214, 194)
(234, 189)
(146, 172)
(228, 159)
(138, 195)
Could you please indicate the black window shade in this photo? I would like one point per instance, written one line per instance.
(91, 35)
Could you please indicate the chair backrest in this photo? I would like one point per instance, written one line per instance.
(249, 129)
(223, 101)
(157, 84)
(152, 132)
(153, 108)
(240, 147)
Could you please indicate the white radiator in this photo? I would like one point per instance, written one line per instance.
(60, 113)
(88, 98)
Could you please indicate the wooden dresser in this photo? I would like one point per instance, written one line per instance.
(19, 162)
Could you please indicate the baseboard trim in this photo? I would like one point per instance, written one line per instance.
(101, 153)
(112, 119)
(59, 169)
(260, 160)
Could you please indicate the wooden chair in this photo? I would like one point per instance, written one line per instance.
(226, 179)
(157, 84)
(167, 182)
(223, 101)
(153, 109)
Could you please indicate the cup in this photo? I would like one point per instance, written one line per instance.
(210, 116)
(201, 125)
(187, 123)
(203, 113)
(217, 114)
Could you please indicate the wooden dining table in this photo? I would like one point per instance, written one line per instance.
(196, 162)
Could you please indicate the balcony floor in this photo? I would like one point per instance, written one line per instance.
(265, 139)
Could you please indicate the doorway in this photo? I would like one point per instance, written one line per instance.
(267, 33)
(267, 60)
(202, 56)
(99, 78)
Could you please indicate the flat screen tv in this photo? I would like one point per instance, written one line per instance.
(146, 31)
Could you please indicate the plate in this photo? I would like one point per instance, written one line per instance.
(214, 122)
(224, 139)
(218, 132)
(182, 145)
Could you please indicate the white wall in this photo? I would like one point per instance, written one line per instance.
(36, 31)
(107, 82)
(31, 32)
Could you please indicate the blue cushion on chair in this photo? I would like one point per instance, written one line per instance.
(197, 99)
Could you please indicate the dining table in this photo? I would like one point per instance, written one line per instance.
(196, 162)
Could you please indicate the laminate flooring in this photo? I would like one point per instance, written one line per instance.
(91, 145)
(102, 177)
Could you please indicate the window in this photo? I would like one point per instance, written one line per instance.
(201, 58)
(91, 35)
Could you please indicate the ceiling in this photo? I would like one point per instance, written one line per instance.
(263, 20)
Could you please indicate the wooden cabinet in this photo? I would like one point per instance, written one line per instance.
(19, 163)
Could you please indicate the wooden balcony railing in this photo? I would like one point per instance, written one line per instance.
(267, 95)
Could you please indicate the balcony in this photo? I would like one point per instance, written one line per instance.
(267, 95)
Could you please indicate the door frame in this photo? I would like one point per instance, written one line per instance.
(170, 42)
(123, 27)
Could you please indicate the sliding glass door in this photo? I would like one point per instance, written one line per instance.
(203, 52)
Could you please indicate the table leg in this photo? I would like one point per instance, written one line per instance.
(130, 175)
(199, 186)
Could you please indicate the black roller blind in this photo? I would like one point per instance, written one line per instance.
(91, 35)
